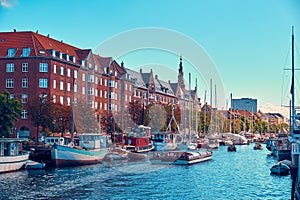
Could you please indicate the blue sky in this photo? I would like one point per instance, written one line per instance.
(248, 41)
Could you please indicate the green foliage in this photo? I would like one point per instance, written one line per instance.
(10, 108)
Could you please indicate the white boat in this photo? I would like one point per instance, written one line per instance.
(11, 156)
(88, 152)
(34, 165)
(280, 169)
(163, 141)
(180, 157)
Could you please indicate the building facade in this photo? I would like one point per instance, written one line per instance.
(34, 65)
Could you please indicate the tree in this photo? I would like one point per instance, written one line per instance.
(10, 108)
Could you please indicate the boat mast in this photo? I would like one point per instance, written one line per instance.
(293, 85)
(73, 117)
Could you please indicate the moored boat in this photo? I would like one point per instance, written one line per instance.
(258, 146)
(231, 148)
(280, 169)
(163, 141)
(12, 158)
(34, 165)
(181, 157)
(88, 152)
(138, 140)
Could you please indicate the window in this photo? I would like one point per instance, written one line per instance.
(126, 86)
(100, 93)
(9, 83)
(90, 78)
(105, 82)
(126, 99)
(116, 96)
(24, 67)
(96, 92)
(25, 52)
(83, 90)
(130, 88)
(10, 67)
(54, 84)
(11, 52)
(96, 80)
(96, 105)
(24, 98)
(61, 85)
(75, 88)
(69, 72)
(68, 86)
(83, 77)
(105, 106)
(68, 101)
(24, 114)
(61, 70)
(116, 85)
(54, 69)
(43, 83)
(100, 81)
(129, 98)
(111, 95)
(96, 67)
(75, 73)
(111, 83)
(43, 67)
(105, 94)
(54, 98)
(24, 82)
(90, 91)
(61, 100)
(100, 105)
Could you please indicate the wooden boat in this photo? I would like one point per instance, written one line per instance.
(258, 146)
(88, 152)
(231, 148)
(163, 141)
(138, 140)
(34, 165)
(280, 169)
(12, 158)
(180, 157)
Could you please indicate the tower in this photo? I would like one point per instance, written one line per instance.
(180, 75)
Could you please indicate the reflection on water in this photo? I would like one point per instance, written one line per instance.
(244, 174)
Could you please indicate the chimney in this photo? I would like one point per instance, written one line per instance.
(15, 30)
(156, 77)
(122, 64)
(141, 71)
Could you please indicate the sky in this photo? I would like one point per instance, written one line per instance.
(245, 45)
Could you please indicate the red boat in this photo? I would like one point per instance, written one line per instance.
(138, 139)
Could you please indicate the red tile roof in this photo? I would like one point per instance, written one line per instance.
(39, 44)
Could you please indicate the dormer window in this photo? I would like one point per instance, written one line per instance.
(11, 52)
(25, 52)
(82, 63)
(60, 55)
(74, 59)
(67, 57)
(53, 53)
(96, 68)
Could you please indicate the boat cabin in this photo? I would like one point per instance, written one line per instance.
(10, 147)
(92, 141)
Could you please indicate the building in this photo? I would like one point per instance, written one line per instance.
(34, 65)
(244, 104)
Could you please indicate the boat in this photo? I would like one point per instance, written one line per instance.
(34, 165)
(180, 157)
(258, 146)
(12, 158)
(231, 148)
(138, 139)
(163, 141)
(41, 151)
(88, 152)
(280, 169)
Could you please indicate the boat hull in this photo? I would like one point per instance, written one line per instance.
(13, 163)
(63, 156)
(163, 146)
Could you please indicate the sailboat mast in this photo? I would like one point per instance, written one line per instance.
(73, 116)
(293, 85)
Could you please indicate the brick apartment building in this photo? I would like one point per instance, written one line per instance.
(32, 64)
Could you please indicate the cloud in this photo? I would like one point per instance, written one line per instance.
(8, 3)
(269, 107)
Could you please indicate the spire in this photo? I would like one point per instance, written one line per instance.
(180, 66)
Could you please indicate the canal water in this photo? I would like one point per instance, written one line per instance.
(244, 174)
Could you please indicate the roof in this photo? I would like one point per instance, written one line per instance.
(136, 77)
(40, 45)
